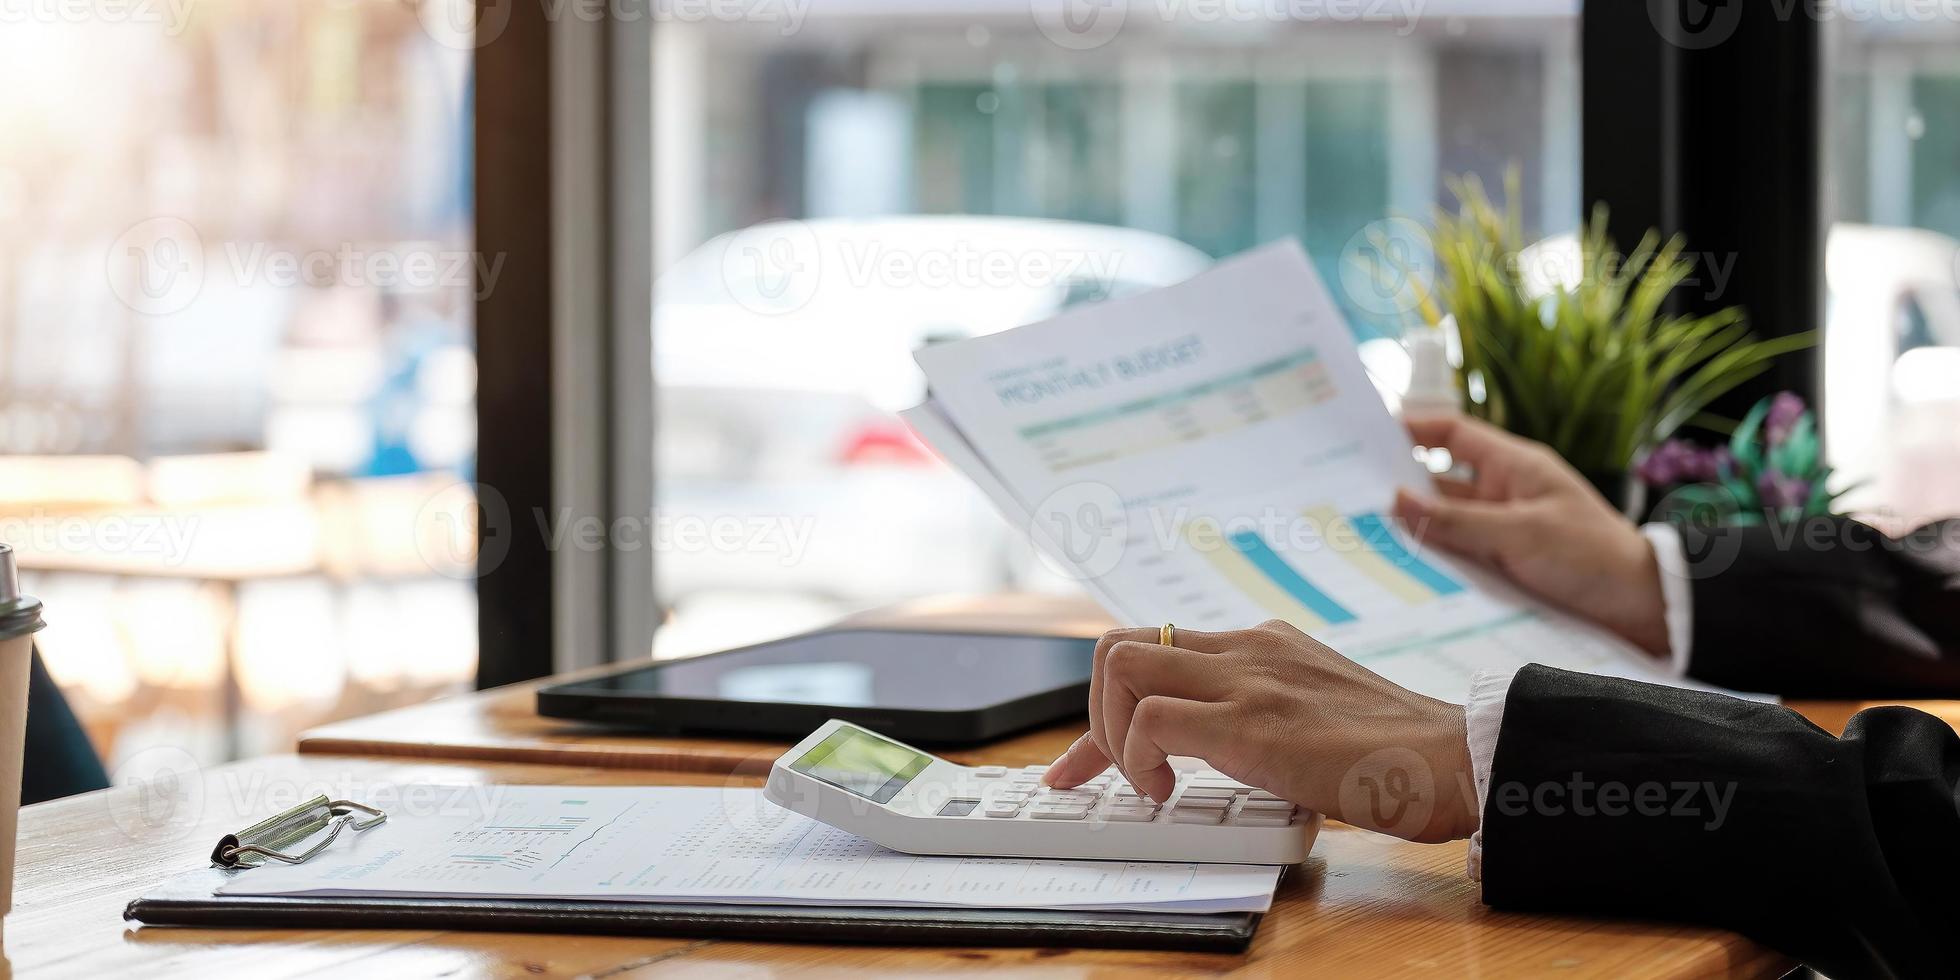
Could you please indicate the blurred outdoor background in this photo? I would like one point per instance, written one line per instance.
(233, 468)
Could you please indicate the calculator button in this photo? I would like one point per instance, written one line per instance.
(1260, 794)
(990, 772)
(1034, 770)
(1128, 814)
(1077, 802)
(1192, 792)
(1002, 810)
(1271, 806)
(1069, 796)
(1015, 798)
(1260, 818)
(1059, 812)
(1203, 802)
(1196, 816)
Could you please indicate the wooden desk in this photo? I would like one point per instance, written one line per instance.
(502, 725)
(1363, 905)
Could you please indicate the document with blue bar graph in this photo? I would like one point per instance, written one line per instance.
(1213, 454)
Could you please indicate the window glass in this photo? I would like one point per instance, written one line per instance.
(899, 148)
(1892, 331)
(236, 374)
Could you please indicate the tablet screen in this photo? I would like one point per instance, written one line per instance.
(870, 668)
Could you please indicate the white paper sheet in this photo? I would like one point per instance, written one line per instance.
(1212, 454)
(702, 844)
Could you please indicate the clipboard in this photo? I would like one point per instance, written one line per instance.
(191, 899)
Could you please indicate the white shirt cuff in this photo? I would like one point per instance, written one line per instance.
(1677, 593)
(1483, 718)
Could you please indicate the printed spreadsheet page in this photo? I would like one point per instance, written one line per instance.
(1213, 454)
(707, 844)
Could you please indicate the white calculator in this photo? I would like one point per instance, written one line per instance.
(890, 793)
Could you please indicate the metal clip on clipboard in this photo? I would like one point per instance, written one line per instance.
(269, 838)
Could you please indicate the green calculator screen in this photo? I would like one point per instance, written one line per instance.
(856, 760)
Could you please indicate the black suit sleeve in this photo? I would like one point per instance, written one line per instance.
(59, 761)
(1616, 798)
(1827, 607)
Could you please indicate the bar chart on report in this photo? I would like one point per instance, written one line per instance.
(1320, 568)
(1353, 580)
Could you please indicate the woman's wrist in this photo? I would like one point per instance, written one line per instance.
(1456, 816)
(1640, 617)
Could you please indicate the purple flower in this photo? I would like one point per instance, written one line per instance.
(1785, 411)
(1680, 461)
(1664, 465)
(1778, 491)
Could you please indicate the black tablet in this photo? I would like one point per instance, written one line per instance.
(941, 688)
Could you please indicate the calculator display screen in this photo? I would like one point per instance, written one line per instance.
(856, 760)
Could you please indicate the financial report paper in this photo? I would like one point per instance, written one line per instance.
(706, 844)
(1213, 454)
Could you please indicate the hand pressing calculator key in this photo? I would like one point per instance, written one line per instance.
(895, 795)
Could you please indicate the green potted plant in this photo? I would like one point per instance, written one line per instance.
(1595, 368)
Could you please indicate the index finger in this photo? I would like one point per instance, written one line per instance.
(1082, 760)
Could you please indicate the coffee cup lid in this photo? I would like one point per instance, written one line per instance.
(19, 614)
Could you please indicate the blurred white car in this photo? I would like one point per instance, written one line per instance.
(1891, 361)
(781, 353)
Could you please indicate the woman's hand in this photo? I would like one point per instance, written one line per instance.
(1536, 520)
(1274, 708)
